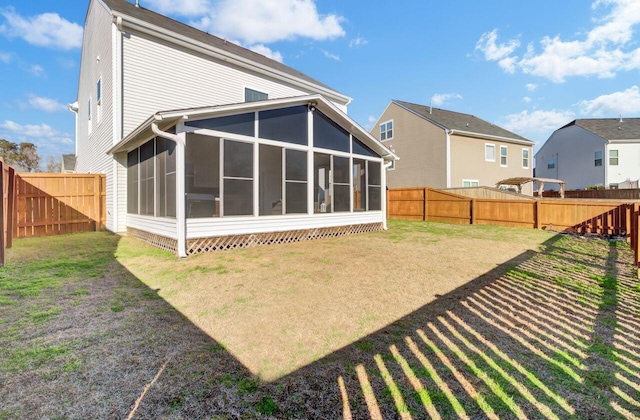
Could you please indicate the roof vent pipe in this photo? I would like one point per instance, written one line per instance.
(621, 118)
(137, 3)
(430, 107)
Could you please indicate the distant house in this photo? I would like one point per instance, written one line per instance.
(207, 145)
(68, 165)
(446, 149)
(593, 152)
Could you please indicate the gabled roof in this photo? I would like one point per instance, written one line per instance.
(124, 9)
(610, 128)
(166, 119)
(461, 123)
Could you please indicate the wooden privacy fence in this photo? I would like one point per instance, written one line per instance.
(602, 217)
(623, 194)
(37, 204)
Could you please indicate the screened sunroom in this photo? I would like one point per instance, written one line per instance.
(262, 172)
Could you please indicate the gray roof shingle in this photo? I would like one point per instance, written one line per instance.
(459, 121)
(123, 7)
(610, 128)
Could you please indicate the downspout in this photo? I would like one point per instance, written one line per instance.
(181, 219)
(386, 166)
(448, 157)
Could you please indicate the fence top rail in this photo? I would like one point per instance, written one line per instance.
(586, 201)
(56, 175)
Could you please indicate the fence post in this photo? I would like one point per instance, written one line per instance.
(3, 232)
(425, 207)
(96, 201)
(10, 210)
(627, 222)
(536, 214)
(636, 237)
(472, 211)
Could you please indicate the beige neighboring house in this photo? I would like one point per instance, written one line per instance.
(445, 149)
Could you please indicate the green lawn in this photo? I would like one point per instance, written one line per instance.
(422, 320)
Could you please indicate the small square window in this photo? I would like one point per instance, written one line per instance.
(386, 131)
(551, 163)
(613, 157)
(251, 95)
(503, 155)
(490, 152)
(525, 158)
(597, 157)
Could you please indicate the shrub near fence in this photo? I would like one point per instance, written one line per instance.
(609, 218)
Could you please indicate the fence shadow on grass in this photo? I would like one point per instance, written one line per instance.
(550, 334)
(547, 334)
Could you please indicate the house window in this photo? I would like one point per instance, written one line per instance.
(296, 181)
(489, 152)
(237, 196)
(525, 158)
(551, 163)
(613, 157)
(202, 176)
(251, 95)
(468, 183)
(284, 124)
(597, 157)
(99, 100)
(329, 135)
(503, 155)
(386, 130)
(132, 181)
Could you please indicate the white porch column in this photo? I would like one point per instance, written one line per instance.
(181, 198)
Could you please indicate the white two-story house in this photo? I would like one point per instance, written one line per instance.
(601, 152)
(208, 145)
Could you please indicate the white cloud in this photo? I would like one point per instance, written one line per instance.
(36, 70)
(623, 103)
(29, 130)
(602, 52)
(267, 52)
(45, 104)
(179, 7)
(370, 121)
(264, 21)
(531, 87)
(6, 57)
(44, 30)
(487, 44)
(526, 99)
(331, 56)
(358, 42)
(536, 122)
(441, 98)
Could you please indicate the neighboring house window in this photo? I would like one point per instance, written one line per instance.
(503, 155)
(489, 152)
(251, 95)
(613, 157)
(386, 130)
(551, 163)
(525, 158)
(597, 157)
(466, 183)
(99, 100)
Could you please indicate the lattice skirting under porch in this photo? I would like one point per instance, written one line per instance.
(218, 243)
(197, 246)
(158, 241)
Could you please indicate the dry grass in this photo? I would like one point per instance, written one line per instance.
(422, 320)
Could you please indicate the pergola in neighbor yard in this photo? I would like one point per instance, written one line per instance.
(519, 182)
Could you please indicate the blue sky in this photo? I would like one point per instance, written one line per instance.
(530, 68)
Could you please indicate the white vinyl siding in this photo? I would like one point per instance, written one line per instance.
(182, 80)
(91, 149)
